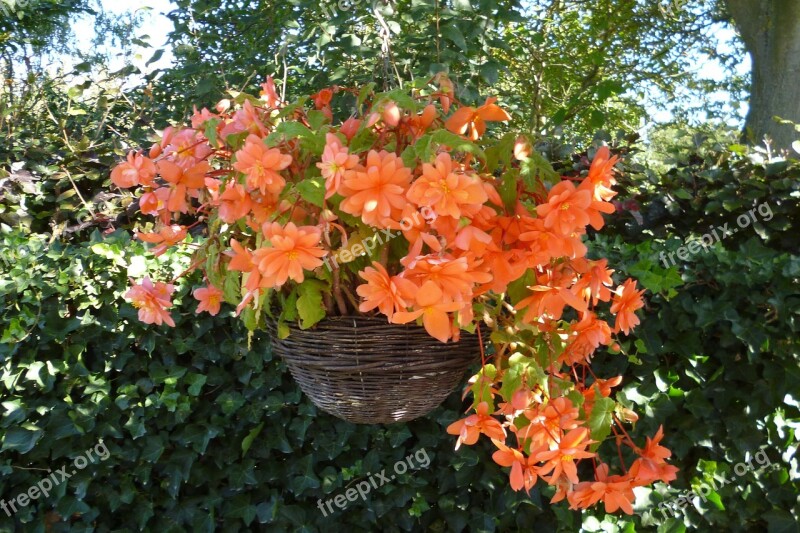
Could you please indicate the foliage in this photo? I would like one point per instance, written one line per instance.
(561, 67)
(177, 411)
(718, 360)
(61, 133)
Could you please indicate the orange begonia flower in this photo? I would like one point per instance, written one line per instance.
(137, 170)
(448, 191)
(249, 119)
(235, 203)
(336, 161)
(210, 299)
(152, 301)
(242, 260)
(470, 428)
(387, 293)
(471, 122)
(615, 492)
(450, 275)
(626, 301)
(183, 183)
(594, 281)
(601, 176)
(652, 464)
(376, 193)
(291, 251)
(261, 165)
(561, 461)
(524, 471)
(566, 208)
(549, 297)
(165, 237)
(589, 334)
(432, 306)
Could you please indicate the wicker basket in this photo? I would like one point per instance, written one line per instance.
(367, 371)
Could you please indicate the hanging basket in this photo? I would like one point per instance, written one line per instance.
(367, 371)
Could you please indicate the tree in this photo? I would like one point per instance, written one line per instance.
(770, 30)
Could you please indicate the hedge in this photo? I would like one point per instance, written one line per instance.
(206, 431)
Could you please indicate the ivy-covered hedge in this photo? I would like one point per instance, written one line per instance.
(203, 431)
(206, 431)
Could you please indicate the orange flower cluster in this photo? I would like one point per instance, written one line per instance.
(434, 233)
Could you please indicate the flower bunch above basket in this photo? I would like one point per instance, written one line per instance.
(405, 207)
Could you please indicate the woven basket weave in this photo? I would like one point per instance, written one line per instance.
(367, 371)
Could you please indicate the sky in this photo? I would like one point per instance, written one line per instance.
(155, 27)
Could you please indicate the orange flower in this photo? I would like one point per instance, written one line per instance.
(594, 281)
(450, 275)
(182, 182)
(589, 334)
(152, 301)
(652, 465)
(291, 250)
(565, 210)
(615, 491)
(449, 192)
(626, 301)
(433, 308)
(549, 422)
(387, 293)
(185, 147)
(242, 261)
(549, 297)
(470, 428)
(166, 237)
(137, 170)
(418, 124)
(234, 203)
(248, 118)
(471, 122)
(336, 161)
(377, 192)
(561, 461)
(601, 176)
(152, 202)
(261, 165)
(269, 94)
(210, 299)
(524, 472)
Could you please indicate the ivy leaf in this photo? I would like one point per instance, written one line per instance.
(248, 440)
(21, 439)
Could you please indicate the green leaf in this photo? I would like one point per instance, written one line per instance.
(454, 34)
(313, 190)
(248, 440)
(309, 304)
(21, 439)
(600, 419)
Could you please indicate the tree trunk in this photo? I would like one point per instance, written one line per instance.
(770, 30)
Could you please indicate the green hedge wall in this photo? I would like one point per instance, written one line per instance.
(206, 431)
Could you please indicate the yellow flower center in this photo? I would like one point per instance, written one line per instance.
(443, 185)
(565, 206)
(293, 255)
(567, 458)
